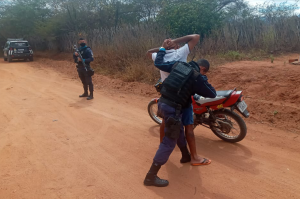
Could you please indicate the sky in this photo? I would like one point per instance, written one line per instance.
(254, 2)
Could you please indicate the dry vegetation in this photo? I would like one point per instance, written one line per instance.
(121, 52)
(121, 32)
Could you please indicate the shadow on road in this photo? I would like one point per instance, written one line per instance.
(234, 155)
(81, 103)
(154, 131)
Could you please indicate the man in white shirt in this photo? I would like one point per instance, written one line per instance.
(174, 53)
(180, 54)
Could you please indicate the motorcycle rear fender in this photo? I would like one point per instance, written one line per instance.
(201, 108)
(230, 101)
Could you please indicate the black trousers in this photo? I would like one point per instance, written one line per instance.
(86, 81)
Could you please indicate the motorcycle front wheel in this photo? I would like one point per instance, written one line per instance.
(229, 126)
(152, 110)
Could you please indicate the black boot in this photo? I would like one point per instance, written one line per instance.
(91, 96)
(152, 179)
(85, 94)
(186, 156)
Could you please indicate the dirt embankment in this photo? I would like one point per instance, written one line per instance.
(271, 89)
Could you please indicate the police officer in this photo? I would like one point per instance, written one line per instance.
(184, 81)
(85, 73)
(181, 54)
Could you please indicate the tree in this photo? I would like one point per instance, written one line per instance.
(20, 17)
(193, 16)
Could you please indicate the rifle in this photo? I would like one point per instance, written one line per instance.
(79, 54)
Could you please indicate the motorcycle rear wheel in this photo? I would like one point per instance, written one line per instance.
(152, 110)
(229, 121)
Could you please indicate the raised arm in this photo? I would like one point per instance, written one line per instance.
(192, 40)
(151, 51)
(168, 44)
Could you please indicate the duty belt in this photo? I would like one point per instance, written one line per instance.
(171, 103)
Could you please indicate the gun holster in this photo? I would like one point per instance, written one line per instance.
(173, 125)
(90, 71)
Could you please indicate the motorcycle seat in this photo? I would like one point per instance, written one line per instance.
(224, 93)
(202, 100)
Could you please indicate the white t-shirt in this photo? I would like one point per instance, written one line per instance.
(180, 54)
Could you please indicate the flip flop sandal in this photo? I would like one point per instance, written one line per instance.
(204, 162)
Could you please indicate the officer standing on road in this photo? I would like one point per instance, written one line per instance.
(184, 81)
(85, 73)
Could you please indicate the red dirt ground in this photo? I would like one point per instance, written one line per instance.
(56, 145)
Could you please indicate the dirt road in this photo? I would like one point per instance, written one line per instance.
(55, 145)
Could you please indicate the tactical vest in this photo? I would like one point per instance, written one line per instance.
(84, 56)
(178, 86)
(83, 52)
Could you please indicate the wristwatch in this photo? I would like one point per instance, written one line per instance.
(162, 49)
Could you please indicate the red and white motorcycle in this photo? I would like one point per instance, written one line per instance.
(216, 114)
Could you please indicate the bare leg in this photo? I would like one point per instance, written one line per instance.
(190, 138)
(162, 130)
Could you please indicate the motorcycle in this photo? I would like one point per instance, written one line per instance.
(216, 114)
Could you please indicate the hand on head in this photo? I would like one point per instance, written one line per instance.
(169, 44)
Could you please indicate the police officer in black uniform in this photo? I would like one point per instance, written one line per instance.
(85, 73)
(185, 80)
